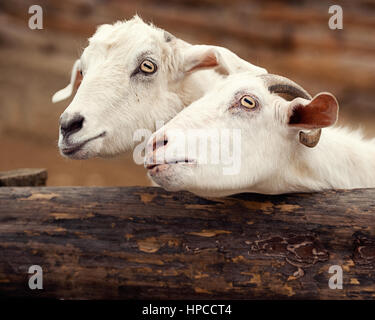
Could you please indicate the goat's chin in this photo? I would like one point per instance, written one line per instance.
(186, 177)
(168, 176)
(82, 154)
(86, 151)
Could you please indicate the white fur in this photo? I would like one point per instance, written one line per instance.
(115, 104)
(273, 161)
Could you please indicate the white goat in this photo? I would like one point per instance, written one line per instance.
(131, 75)
(277, 119)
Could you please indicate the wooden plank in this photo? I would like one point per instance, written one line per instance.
(23, 178)
(148, 243)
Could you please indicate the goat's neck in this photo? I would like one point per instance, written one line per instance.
(196, 85)
(341, 160)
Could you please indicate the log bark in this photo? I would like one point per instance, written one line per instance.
(23, 178)
(146, 243)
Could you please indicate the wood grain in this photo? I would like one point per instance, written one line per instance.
(147, 243)
(23, 178)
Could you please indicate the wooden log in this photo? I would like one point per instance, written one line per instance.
(23, 178)
(151, 244)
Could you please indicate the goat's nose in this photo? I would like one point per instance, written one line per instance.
(154, 153)
(159, 141)
(71, 124)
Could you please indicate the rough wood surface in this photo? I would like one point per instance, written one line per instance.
(147, 243)
(23, 178)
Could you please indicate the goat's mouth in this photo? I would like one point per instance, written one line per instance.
(156, 168)
(73, 149)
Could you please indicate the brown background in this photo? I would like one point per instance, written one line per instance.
(291, 38)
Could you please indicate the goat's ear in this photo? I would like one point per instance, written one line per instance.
(320, 112)
(199, 57)
(75, 81)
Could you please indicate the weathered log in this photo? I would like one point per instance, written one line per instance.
(23, 178)
(147, 243)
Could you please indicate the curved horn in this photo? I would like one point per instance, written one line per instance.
(284, 87)
(290, 90)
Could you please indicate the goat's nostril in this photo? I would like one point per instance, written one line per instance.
(72, 125)
(157, 143)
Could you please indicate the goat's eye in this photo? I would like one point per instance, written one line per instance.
(148, 67)
(248, 102)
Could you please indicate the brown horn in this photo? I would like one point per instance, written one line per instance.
(290, 90)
